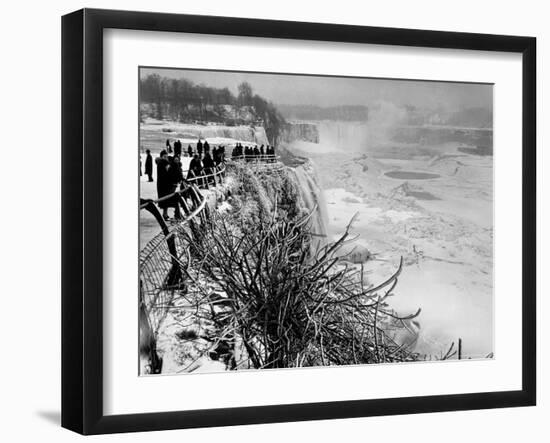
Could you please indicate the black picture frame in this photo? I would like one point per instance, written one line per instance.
(82, 220)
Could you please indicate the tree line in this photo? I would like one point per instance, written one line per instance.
(184, 101)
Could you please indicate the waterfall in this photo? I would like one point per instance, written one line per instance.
(311, 197)
(379, 128)
(245, 134)
(343, 136)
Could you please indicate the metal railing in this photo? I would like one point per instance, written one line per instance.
(265, 158)
(266, 162)
(164, 259)
(160, 261)
(215, 174)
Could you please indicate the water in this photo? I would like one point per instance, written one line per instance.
(411, 175)
(343, 136)
(312, 198)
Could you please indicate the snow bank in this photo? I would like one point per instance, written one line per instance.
(214, 134)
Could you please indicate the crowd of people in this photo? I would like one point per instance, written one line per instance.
(204, 162)
(253, 152)
(216, 153)
(169, 176)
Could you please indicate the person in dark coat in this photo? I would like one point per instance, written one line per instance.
(189, 151)
(169, 176)
(164, 187)
(256, 151)
(215, 155)
(208, 163)
(149, 165)
(199, 148)
(206, 147)
(220, 155)
(175, 171)
(195, 167)
(168, 146)
(209, 167)
(262, 151)
(175, 177)
(177, 148)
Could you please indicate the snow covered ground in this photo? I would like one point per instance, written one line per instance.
(154, 133)
(148, 226)
(443, 228)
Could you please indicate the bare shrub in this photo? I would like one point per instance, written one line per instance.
(286, 303)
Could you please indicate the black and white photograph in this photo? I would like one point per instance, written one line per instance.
(292, 221)
(275, 221)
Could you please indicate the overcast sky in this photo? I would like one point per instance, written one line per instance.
(333, 91)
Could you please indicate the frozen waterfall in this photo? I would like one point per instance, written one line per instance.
(343, 136)
(312, 198)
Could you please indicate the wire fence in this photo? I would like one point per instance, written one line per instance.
(160, 261)
(163, 261)
(265, 162)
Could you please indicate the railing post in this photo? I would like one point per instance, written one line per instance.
(194, 196)
(147, 337)
(183, 203)
(175, 275)
(152, 208)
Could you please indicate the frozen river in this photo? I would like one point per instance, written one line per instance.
(436, 213)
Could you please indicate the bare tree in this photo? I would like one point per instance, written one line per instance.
(245, 94)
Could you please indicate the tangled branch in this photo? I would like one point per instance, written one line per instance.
(281, 301)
